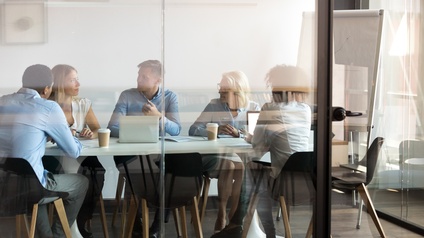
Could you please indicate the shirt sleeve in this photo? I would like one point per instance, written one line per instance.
(120, 110)
(172, 118)
(57, 128)
(199, 126)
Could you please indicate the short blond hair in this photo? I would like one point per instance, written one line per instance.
(239, 84)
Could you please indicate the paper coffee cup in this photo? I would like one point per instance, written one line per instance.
(212, 129)
(103, 135)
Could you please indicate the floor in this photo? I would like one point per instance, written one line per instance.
(343, 223)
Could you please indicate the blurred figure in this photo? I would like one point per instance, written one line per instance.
(27, 122)
(283, 128)
(229, 111)
(84, 124)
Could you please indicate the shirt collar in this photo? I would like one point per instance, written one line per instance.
(29, 91)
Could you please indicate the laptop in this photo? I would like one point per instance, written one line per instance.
(138, 129)
(252, 119)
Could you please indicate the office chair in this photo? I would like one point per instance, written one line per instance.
(183, 182)
(28, 189)
(299, 165)
(357, 181)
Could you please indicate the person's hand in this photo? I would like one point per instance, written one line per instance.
(49, 139)
(248, 137)
(228, 130)
(86, 133)
(149, 109)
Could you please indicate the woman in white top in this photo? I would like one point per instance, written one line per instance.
(229, 111)
(84, 124)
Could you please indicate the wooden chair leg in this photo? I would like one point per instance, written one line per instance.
(31, 229)
(62, 216)
(18, 225)
(285, 215)
(363, 191)
(249, 215)
(118, 196)
(310, 228)
(183, 219)
(131, 217)
(103, 216)
(177, 221)
(196, 219)
(145, 217)
(205, 194)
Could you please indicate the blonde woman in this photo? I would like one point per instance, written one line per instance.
(84, 124)
(229, 111)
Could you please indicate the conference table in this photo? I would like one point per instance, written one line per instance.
(170, 145)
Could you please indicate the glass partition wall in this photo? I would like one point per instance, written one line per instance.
(199, 43)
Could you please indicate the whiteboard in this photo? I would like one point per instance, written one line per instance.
(356, 42)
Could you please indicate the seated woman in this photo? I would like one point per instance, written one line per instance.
(84, 124)
(229, 111)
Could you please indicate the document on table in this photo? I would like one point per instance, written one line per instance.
(184, 138)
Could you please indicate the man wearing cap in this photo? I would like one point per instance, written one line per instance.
(27, 121)
(283, 128)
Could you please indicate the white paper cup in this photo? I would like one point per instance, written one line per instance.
(103, 135)
(212, 129)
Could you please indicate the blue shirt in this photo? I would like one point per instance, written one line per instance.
(131, 101)
(26, 120)
(218, 112)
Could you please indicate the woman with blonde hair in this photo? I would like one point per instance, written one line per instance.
(230, 112)
(84, 124)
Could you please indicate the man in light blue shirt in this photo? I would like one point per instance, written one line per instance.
(27, 121)
(146, 99)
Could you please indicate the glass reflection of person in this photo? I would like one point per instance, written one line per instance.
(84, 124)
(283, 128)
(27, 122)
(229, 111)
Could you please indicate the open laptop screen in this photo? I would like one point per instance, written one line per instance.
(252, 119)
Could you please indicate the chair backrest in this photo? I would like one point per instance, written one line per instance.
(371, 158)
(183, 180)
(299, 169)
(410, 149)
(16, 197)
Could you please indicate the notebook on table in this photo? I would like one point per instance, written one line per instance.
(138, 129)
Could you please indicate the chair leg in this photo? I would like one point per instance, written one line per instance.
(51, 211)
(31, 230)
(285, 215)
(103, 216)
(310, 228)
(145, 217)
(118, 196)
(18, 225)
(131, 217)
(183, 219)
(358, 223)
(205, 194)
(177, 221)
(363, 191)
(196, 219)
(60, 209)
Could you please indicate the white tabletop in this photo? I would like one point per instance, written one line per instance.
(195, 144)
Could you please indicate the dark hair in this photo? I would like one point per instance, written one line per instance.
(155, 65)
(37, 77)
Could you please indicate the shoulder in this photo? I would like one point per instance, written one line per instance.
(254, 106)
(215, 101)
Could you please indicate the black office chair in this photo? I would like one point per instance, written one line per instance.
(357, 181)
(300, 166)
(183, 182)
(15, 197)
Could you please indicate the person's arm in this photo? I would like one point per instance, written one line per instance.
(92, 123)
(172, 116)
(198, 128)
(58, 130)
(120, 110)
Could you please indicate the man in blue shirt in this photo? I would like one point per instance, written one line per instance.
(27, 121)
(146, 99)
(151, 100)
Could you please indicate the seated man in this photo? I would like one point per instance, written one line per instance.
(146, 99)
(27, 121)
